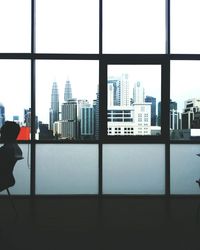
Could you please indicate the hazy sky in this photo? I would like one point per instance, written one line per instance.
(148, 75)
(67, 26)
(15, 82)
(134, 26)
(15, 25)
(185, 81)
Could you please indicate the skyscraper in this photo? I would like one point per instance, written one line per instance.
(96, 115)
(124, 91)
(174, 115)
(152, 100)
(69, 127)
(87, 121)
(27, 119)
(114, 90)
(110, 92)
(54, 110)
(68, 91)
(138, 93)
(2, 115)
(191, 110)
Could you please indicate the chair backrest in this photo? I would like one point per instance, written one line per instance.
(7, 178)
(7, 166)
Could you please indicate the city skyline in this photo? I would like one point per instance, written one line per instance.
(83, 76)
(15, 82)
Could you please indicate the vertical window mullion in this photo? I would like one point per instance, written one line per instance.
(167, 26)
(32, 182)
(100, 174)
(165, 113)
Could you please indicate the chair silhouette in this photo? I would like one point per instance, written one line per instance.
(10, 153)
(7, 179)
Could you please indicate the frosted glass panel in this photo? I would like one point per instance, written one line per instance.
(185, 19)
(185, 169)
(67, 169)
(22, 173)
(134, 169)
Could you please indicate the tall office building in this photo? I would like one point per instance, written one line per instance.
(54, 110)
(27, 119)
(2, 115)
(190, 113)
(69, 122)
(152, 100)
(174, 116)
(96, 115)
(81, 103)
(87, 121)
(138, 93)
(110, 94)
(174, 119)
(114, 90)
(68, 91)
(124, 91)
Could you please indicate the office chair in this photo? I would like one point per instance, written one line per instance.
(7, 180)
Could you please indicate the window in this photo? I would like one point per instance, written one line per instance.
(185, 101)
(136, 89)
(111, 83)
(15, 28)
(67, 28)
(15, 95)
(69, 110)
(134, 26)
(185, 37)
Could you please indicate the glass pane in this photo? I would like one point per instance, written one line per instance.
(185, 169)
(185, 100)
(15, 26)
(15, 99)
(69, 108)
(65, 26)
(62, 172)
(134, 169)
(185, 19)
(21, 173)
(134, 26)
(132, 96)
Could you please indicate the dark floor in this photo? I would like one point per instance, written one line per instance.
(107, 223)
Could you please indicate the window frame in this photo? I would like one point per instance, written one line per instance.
(104, 60)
